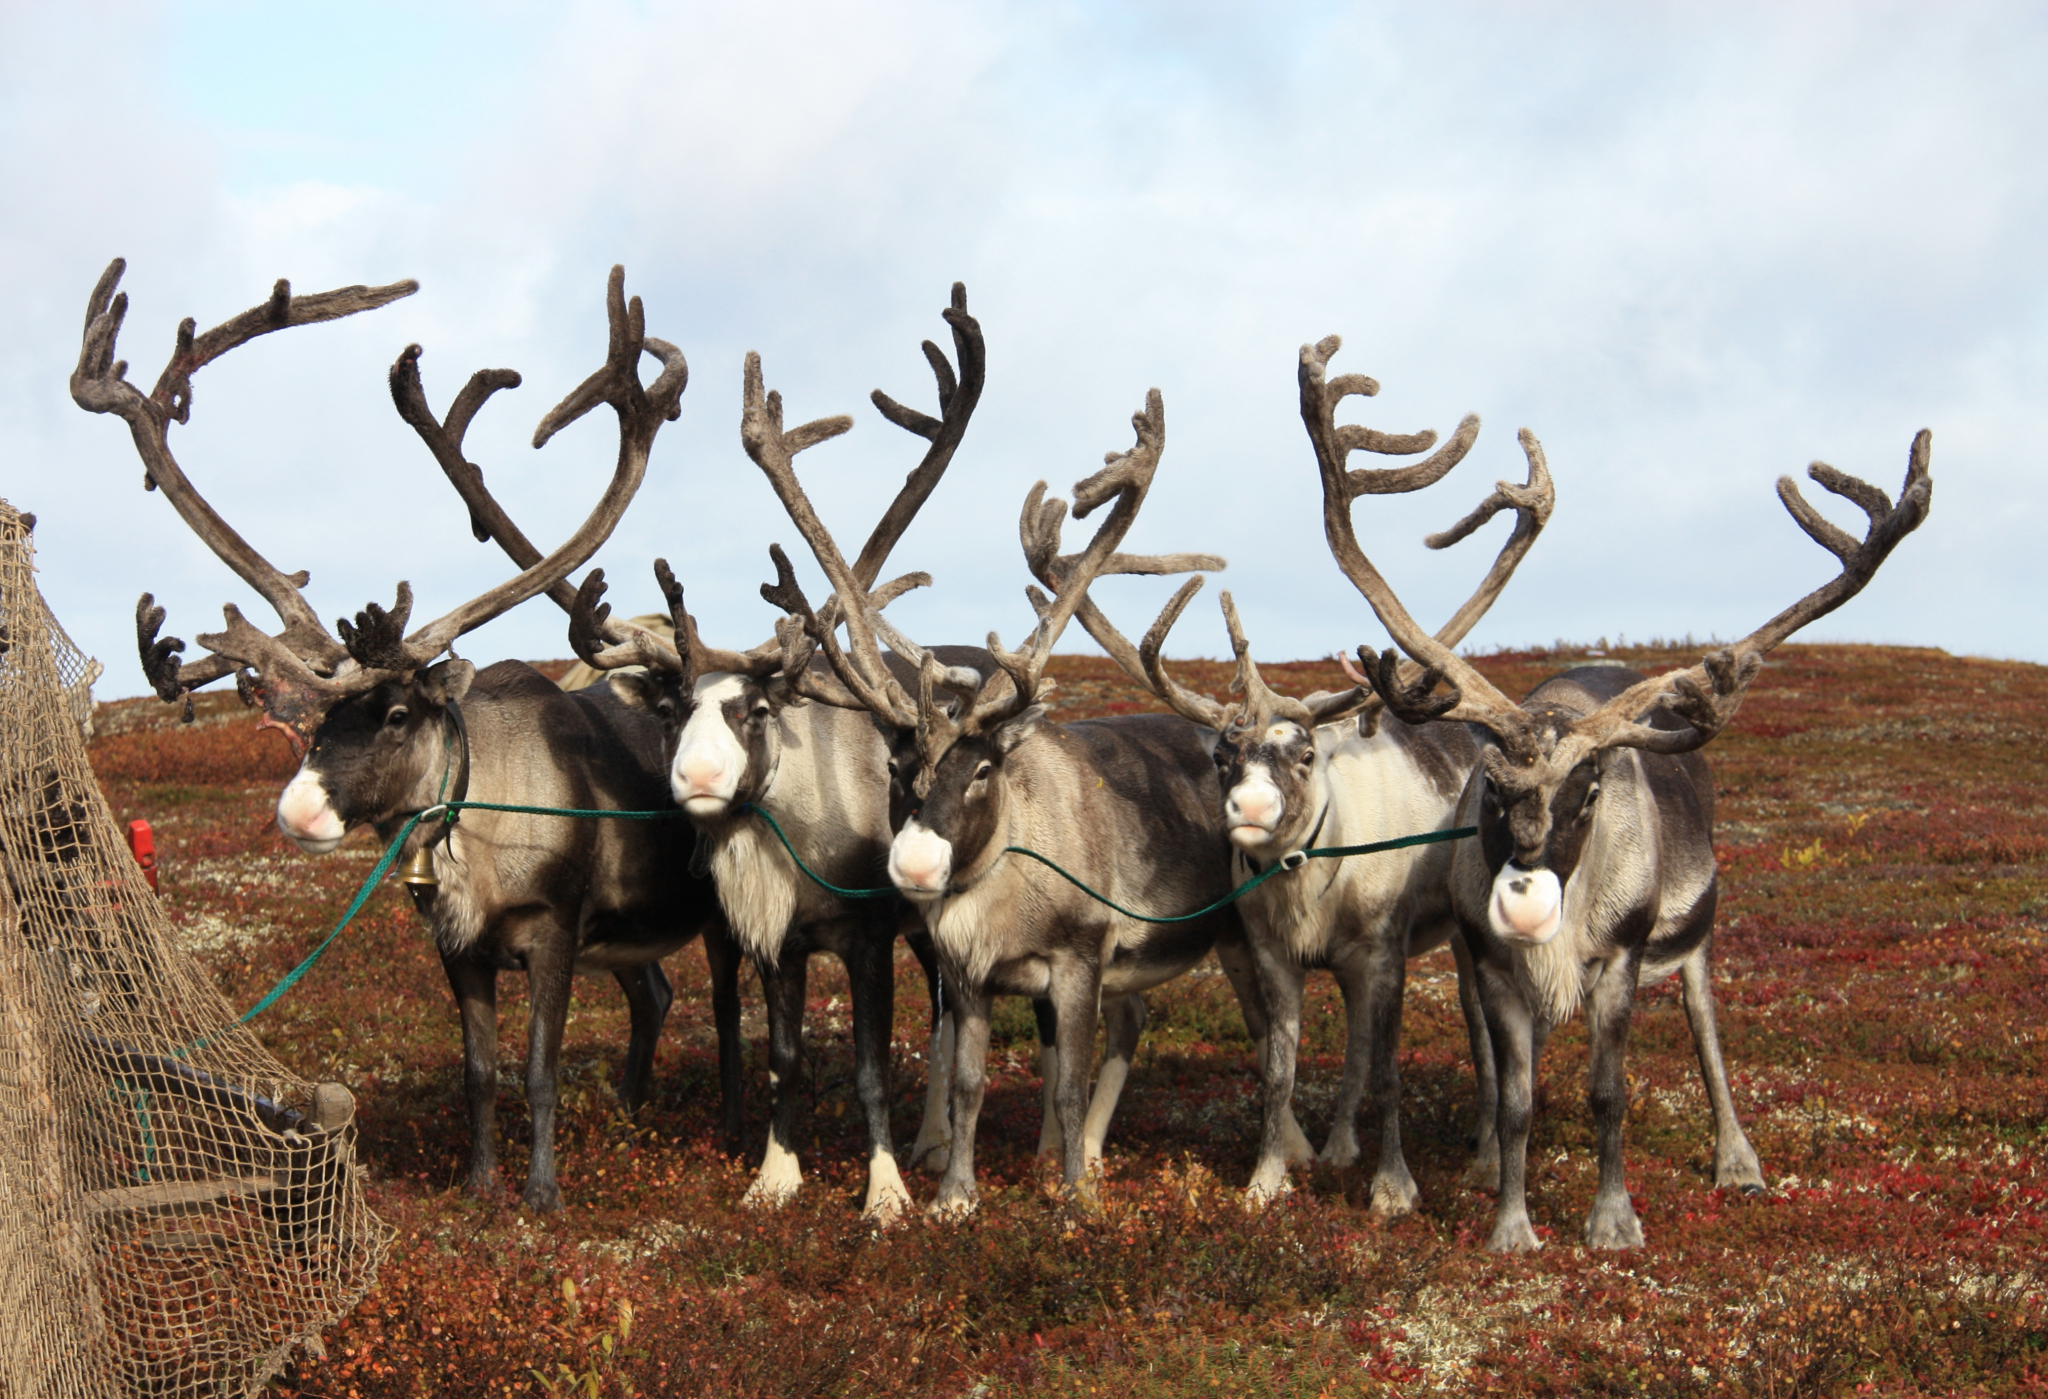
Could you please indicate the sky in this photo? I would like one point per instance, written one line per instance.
(1691, 247)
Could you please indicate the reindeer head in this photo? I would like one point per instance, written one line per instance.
(356, 708)
(1545, 776)
(719, 709)
(954, 737)
(1268, 756)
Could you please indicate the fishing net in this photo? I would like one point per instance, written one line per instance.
(177, 1211)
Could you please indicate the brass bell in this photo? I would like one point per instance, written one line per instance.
(418, 870)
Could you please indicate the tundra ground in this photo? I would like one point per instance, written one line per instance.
(1882, 965)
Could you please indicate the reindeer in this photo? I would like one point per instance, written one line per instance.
(1126, 804)
(1594, 867)
(1292, 778)
(386, 729)
(742, 738)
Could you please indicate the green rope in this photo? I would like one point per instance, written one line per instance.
(1291, 861)
(446, 811)
(886, 892)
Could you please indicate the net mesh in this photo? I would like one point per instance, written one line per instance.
(177, 1211)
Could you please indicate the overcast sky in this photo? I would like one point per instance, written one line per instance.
(1692, 247)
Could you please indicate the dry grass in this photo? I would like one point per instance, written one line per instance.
(1881, 961)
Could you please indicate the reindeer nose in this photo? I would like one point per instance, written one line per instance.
(1250, 805)
(700, 772)
(920, 861)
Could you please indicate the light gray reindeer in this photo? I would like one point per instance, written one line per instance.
(386, 729)
(1594, 869)
(1127, 804)
(1294, 777)
(742, 739)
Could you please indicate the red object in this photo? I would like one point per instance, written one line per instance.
(142, 841)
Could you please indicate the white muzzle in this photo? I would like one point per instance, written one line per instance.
(1253, 810)
(920, 861)
(306, 815)
(1526, 906)
(710, 762)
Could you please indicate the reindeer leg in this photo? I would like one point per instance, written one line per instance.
(475, 985)
(1516, 1037)
(1050, 1142)
(1125, 1022)
(1076, 984)
(1280, 980)
(648, 997)
(1234, 955)
(935, 1134)
(1384, 983)
(970, 1078)
(550, 973)
(1735, 1163)
(722, 957)
(1610, 1006)
(1484, 1172)
(780, 1176)
(871, 975)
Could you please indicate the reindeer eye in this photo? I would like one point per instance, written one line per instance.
(1587, 805)
(981, 773)
(394, 716)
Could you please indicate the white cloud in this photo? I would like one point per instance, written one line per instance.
(1691, 248)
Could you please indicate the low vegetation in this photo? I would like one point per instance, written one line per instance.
(1883, 966)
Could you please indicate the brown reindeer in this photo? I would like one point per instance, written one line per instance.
(1127, 805)
(1594, 868)
(742, 738)
(1293, 777)
(387, 729)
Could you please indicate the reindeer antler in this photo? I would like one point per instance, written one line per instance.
(1531, 502)
(304, 669)
(1707, 695)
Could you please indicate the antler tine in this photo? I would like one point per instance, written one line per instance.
(859, 665)
(1125, 479)
(885, 698)
(1478, 702)
(958, 397)
(1707, 695)
(1261, 704)
(99, 384)
(699, 660)
(591, 629)
(641, 412)
(1185, 702)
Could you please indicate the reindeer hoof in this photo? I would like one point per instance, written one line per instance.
(1482, 1175)
(953, 1205)
(930, 1157)
(1339, 1152)
(1614, 1228)
(542, 1197)
(1394, 1196)
(1515, 1237)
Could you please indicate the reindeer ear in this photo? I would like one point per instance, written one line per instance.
(1015, 731)
(446, 683)
(636, 689)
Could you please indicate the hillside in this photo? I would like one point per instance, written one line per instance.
(1882, 966)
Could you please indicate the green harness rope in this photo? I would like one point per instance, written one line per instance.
(1291, 861)
(447, 811)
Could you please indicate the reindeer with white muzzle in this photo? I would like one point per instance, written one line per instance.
(1126, 805)
(386, 729)
(1594, 868)
(746, 744)
(1294, 777)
